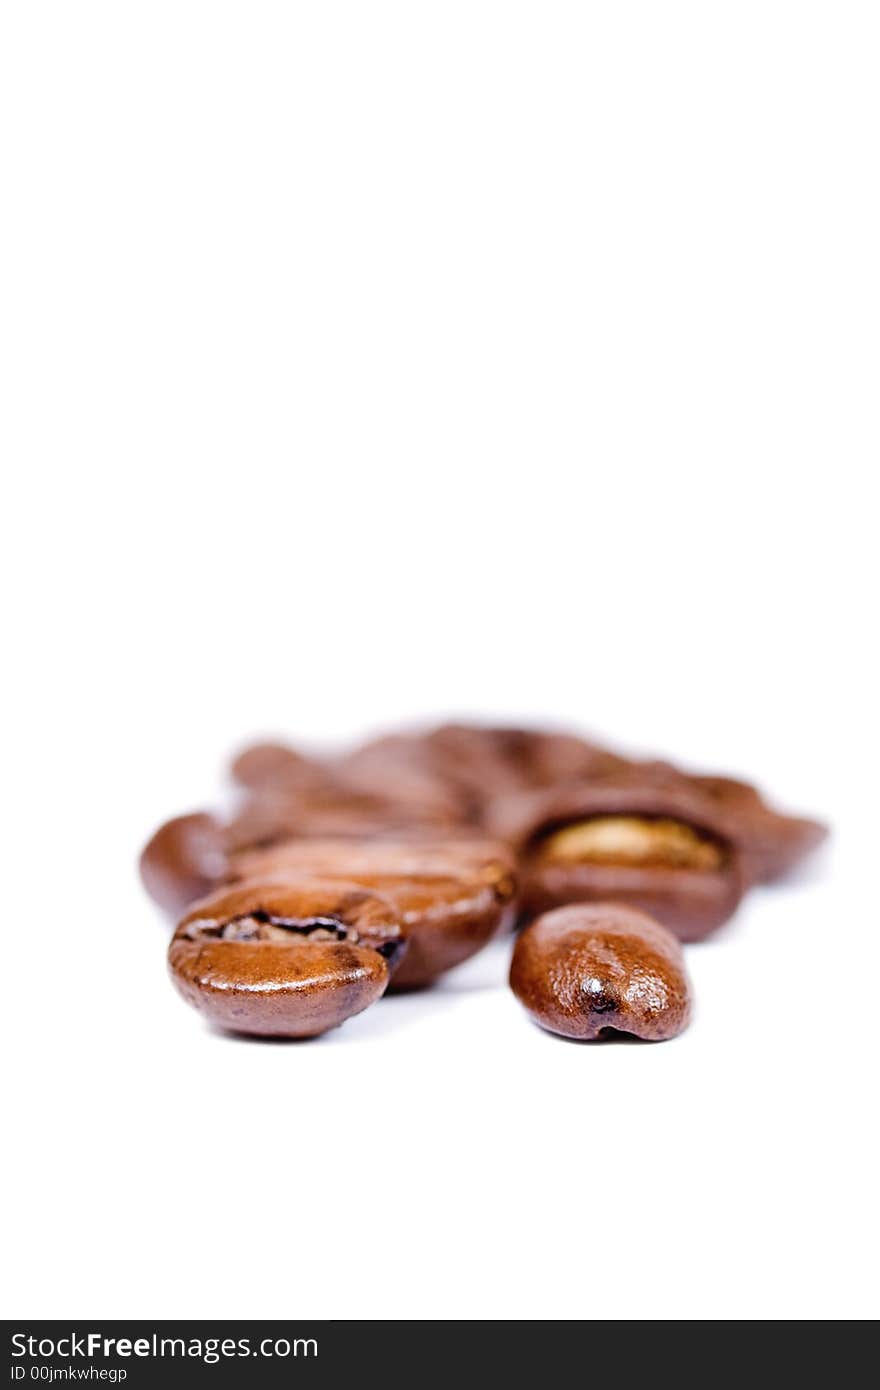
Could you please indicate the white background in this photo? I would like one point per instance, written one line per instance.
(367, 362)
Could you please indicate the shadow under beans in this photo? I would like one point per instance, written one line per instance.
(608, 1037)
(485, 971)
(446, 985)
(263, 1039)
(370, 1024)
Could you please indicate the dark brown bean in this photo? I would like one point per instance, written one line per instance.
(286, 960)
(265, 766)
(593, 971)
(665, 849)
(485, 762)
(184, 860)
(267, 821)
(400, 768)
(771, 843)
(452, 895)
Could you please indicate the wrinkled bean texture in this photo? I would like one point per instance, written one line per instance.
(590, 972)
(667, 850)
(460, 830)
(288, 960)
(452, 896)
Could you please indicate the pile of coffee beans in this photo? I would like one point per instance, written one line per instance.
(338, 878)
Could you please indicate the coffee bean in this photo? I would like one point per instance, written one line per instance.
(265, 766)
(771, 843)
(592, 971)
(452, 895)
(286, 960)
(666, 849)
(185, 859)
(486, 762)
(341, 809)
(401, 768)
(442, 825)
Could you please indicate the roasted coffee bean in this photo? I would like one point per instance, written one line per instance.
(668, 850)
(287, 960)
(771, 843)
(486, 762)
(190, 856)
(420, 818)
(480, 763)
(452, 896)
(185, 859)
(272, 817)
(558, 760)
(386, 777)
(402, 769)
(594, 971)
(277, 766)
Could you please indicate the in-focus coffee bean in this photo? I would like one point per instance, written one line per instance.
(593, 971)
(286, 960)
(452, 895)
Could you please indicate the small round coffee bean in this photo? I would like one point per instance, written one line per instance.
(591, 971)
(286, 960)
